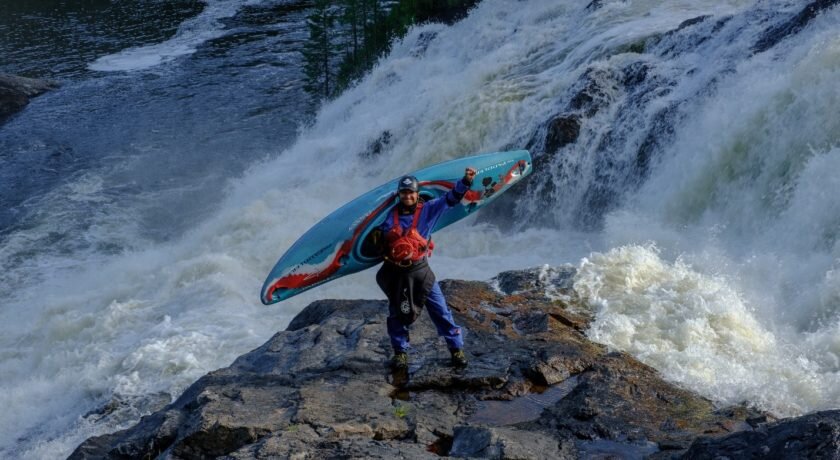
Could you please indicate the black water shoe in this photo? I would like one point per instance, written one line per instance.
(459, 358)
(400, 360)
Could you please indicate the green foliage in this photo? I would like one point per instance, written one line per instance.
(347, 37)
(400, 411)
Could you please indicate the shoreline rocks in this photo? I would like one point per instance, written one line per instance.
(16, 92)
(536, 387)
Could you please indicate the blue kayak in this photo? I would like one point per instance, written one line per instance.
(334, 247)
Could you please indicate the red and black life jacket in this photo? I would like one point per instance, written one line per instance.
(407, 247)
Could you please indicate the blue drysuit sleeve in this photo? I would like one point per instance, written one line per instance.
(438, 205)
(434, 208)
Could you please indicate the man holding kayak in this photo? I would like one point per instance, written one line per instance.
(405, 277)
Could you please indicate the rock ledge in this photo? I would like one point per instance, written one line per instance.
(535, 388)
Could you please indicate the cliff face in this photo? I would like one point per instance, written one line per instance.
(535, 388)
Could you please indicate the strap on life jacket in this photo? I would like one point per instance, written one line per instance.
(414, 221)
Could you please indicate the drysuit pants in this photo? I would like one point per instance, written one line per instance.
(408, 290)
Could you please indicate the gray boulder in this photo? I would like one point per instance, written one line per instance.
(15, 93)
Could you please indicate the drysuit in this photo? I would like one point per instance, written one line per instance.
(409, 288)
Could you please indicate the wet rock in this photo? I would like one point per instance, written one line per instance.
(508, 443)
(320, 310)
(150, 437)
(434, 415)
(619, 399)
(323, 389)
(693, 21)
(635, 73)
(332, 408)
(562, 131)
(686, 37)
(550, 372)
(811, 436)
(124, 408)
(378, 146)
(777, 33)
(594, 5)
(292, 442)
(537, 281)
(606, 449)
(660, 134)
(15, 93)
(292, 446)
(423, 41)
(595, 90)
(531, 322)
(546, 142)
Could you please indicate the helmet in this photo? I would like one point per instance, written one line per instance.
(408, 183)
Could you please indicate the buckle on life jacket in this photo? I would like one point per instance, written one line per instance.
(405, 263)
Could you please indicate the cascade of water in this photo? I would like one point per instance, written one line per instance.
(651, 121)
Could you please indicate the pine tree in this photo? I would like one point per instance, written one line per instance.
(351, 18)
(351, 64)
(320, 51)
(347, 37)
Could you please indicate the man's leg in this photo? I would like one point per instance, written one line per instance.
(388, 281)
(399, 334)
(442, 319)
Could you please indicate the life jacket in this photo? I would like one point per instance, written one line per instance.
(407, 247)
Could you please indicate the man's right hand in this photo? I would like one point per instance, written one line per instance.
(469, 175)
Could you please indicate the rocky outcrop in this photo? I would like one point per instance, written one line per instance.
(779, 32)
(15, 93)
(562, 131)
(810, 436)
(535, 388)
(379, 145)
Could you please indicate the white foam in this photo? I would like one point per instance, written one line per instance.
(90, 326)
(190, 35)
(700, 332)
(744, 208)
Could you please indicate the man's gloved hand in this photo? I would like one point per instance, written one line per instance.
(374, 243)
